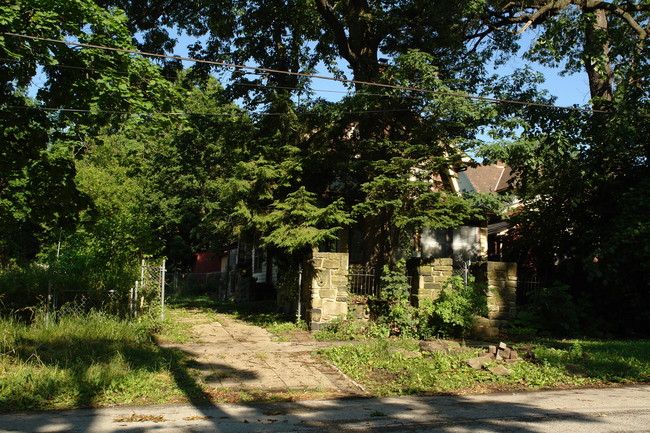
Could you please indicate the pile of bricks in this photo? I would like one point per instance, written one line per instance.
(501, 353)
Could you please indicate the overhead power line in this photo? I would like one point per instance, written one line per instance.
(322, 77)
(172, 77)
(183, 113)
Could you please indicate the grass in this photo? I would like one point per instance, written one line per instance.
(99, 360)
(383, 367)
(94, 360)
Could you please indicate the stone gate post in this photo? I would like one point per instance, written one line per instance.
(326, 283)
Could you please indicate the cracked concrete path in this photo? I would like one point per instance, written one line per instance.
(234, 355)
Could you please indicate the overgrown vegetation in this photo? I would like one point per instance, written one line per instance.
(398, 367)
(83, 361)
(99, 360)
(552, 311)
(118, 166)
(451, 315)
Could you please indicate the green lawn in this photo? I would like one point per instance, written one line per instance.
(99, 360)
(94, 360)
(396, 367)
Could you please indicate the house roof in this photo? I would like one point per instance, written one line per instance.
(487, 178)
(499, 227)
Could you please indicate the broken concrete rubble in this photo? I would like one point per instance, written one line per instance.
(502, 352)
(495, 353)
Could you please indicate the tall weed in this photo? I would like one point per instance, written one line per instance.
(81, 361)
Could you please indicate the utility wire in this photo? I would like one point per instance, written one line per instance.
(181, 113)
(172, 77)
(321, 77)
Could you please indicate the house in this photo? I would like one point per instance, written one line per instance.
(495, 178)
(476, 241)
(208, 261)
(254, 275)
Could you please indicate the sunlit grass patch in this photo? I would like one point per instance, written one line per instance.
(84, 361)
(384, 368)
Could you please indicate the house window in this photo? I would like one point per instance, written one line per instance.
(259, 257)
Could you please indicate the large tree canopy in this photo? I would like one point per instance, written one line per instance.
(293, 169)
(366, 157)
(607, 40)
(583, 177)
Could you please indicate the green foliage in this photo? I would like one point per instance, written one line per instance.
(392, 367)
(40, 195)
(550, 311)
(451, 315)
(342, 329)
(23, 290)
(297, 223)
(582, 177)
(37, 189)
(84, 361)
(393, 307)
(454, 312)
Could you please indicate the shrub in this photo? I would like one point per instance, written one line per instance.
(549, 311)
(454, 312)
(23, 289)
(393, 308)
(451, 315)
(342, 329)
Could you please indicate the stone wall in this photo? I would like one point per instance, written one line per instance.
(326, 281)
(501, 279)
(429, 277)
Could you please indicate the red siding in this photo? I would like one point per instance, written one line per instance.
(207, 261)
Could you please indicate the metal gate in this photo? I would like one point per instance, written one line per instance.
(148, 294)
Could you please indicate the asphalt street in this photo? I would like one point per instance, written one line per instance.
(620, 409)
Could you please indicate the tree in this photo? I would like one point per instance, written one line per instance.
(581, 175)
(297, 223)
(193, 169)
(606, 39)
(294, 36)
(84, 90)
(38, 196)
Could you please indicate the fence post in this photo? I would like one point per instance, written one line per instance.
(131, 300)
(135, 300)
(48, 308)
(162, 290)
(466, 266)
(143, 264)
(299, 291)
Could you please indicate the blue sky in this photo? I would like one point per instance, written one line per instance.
(569, 90)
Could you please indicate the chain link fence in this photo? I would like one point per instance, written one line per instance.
(146, 296)
(195, 283)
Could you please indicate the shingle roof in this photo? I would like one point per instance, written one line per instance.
(486, 178)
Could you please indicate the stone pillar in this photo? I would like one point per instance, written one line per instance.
(327, 282)
(501, 279)
(430, 278)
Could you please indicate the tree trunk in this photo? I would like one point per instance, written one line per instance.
(597, 62)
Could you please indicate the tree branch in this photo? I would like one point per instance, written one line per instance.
(326, 11)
